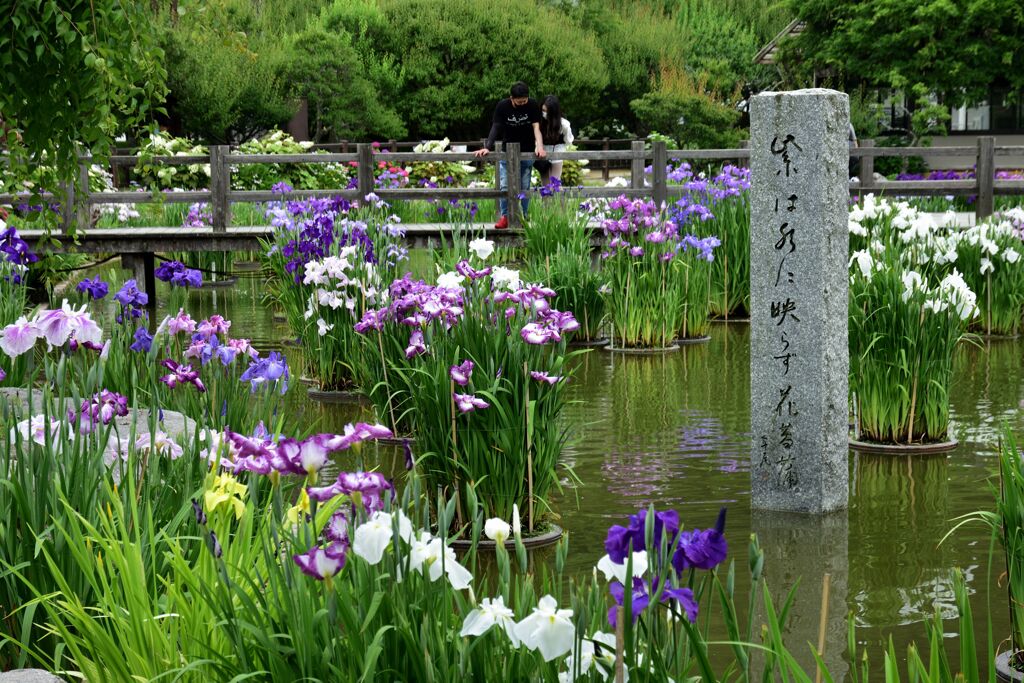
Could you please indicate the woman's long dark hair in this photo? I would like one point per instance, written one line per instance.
(552, 126)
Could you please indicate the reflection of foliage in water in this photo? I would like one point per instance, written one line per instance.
(986, 389)
(900, 512)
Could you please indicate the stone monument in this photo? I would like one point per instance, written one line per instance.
(799, 352)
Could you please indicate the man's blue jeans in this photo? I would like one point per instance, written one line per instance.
(525, 176)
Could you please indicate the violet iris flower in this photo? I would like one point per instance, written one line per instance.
(365, 488)
(619, 539)
(16, 249)
(3, 376)
(273, 368)
(416, 344)
(100, 409)
(701, 549)
(319, 563)
(467, 403)
(181, 373)
(641, 598)
(143, 340)
(95, 288)
(545, 377)
(461, 373)
(131, 299)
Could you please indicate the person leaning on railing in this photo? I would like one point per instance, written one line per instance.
(517, 119)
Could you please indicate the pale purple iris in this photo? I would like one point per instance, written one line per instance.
(545, 377)
(215, 324)
(701, 549)
(3, 376)
(289, 456)
(463, 268)
(461, 373)
(467, 403)
(416, 345)
(19, 337)
(143, 340)
(95, 288)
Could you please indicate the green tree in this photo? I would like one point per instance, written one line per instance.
(958, 49)
(324, 68)
(460, 56)
(73, 73)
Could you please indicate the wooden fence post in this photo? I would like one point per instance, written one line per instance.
(636, 165)
(605, 168)
(514, 185)
(659, 174)
(344, 146)
(866, 172)
(220, 184)
(985, 171)
(365, 153)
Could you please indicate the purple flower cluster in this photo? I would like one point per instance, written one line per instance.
(99, 410)
(415, 304)
(15, 249)
(642, 223)
(325, 229)
(199, 216)
(132, 301)
(264, 454)
(272, 368)
(693, 549)
(179, 275)
(95, 288)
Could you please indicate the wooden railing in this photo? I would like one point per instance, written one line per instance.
(221, 159)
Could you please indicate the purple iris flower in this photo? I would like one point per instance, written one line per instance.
(3, 376)
(410, 460)
(641, 599)
(701, 549)
(320, 564)
(461, 373)
(131, 299)
(370, 488)
(617, 542)
(416, 344)
(100, 409)
(16, 249)
(95, 288)
(545, 377)
(467, 403)
(181, 374)
(281, 188)
(178, 274)
(143, 340)
(273, 368)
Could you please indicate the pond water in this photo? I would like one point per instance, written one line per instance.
(674, 430)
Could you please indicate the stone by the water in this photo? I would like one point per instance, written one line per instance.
(29, 676)
(799, 354)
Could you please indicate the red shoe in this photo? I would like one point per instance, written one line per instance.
(501, 224)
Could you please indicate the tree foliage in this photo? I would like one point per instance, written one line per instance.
(74, 72)
(956, 48)
(459, 57)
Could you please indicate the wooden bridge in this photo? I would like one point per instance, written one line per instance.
(137, 246)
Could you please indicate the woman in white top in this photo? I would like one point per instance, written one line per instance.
(556, 131)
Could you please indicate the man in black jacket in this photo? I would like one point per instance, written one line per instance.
(517, 119)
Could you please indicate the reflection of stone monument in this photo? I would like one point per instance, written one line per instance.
(799, 360)
(806, 548)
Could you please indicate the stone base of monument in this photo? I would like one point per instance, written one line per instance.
(539, 539)
(692, 340)
(323, 396)
(641, 351)
(903, 449)
(589, 343)
(1007, 672)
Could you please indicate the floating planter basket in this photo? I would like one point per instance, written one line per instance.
(539, 539)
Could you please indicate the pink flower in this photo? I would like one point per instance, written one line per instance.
(215, 324)
(467, 403)
(182, 322)
(19, 337)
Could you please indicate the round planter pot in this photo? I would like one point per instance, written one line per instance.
(589, 343)
(246, 266)
(335, 396)
(641, 351)
(999, 337)
(903, 449)
(692, 340)
(730, 319)
(220, 284)
(279, 318)
(1005, 672)
(550, 536)
(308, 381)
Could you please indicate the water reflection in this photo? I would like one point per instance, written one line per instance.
(674, 431)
